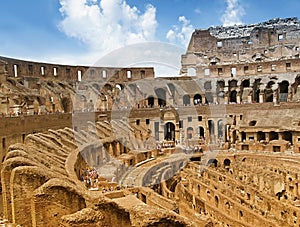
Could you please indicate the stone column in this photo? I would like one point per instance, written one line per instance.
(275, 97)
(267, 137)
(249, 98)
(203, 99)
(261, 97)
(238, 98)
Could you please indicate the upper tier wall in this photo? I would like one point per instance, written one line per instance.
(21, 68)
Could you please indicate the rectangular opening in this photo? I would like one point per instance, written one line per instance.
(104, 74)
(206, 72)
(3, 144)
(288, 66)
(245, 147)
(54, 71)
(128, 73)
(79, 75)
(16, 70)
(246, 68)
(30, 69)
(143, 73)
(42, 70)
(147, 121)
(219, 44)
(233, 72)
(220, 71)
(280, 37)
(137, 122)
(180, 124)
(273, 67)
(259, 68)
(199, 118)
(68, 72)
(276, 148)
(190, 119)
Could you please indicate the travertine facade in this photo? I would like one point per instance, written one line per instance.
(235, 108)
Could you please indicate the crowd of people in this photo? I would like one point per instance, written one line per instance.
(90, 177)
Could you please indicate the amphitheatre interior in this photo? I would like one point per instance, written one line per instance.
(217, 145)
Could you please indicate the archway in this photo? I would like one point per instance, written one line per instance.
(211, 128)
(161, 95)
(227, 162)
(220, 129)
(273, 135)
(261, 136)
(169, 131)
(201, 132)
(283, 91)
(288, 136)
(190, 132)
(186, 100)
(233, 96)
(66, 104)
(150, 101)
(197, 99)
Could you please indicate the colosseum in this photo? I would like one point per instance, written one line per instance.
(216, 145)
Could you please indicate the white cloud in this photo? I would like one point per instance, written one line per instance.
(181, 33)
(233, 13)
(198, 11)
(107, 24)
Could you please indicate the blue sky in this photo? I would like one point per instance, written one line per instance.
(81, 31)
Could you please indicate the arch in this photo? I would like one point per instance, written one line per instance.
(269, 91)
(216, 201)
(172, 88)
(191, 71)
(120, 87)
(96, 86)
(186, 100)
(161, 96)
(189, 133)
(232, 97)
(209, 97)
(211, 129)
(207, 85)
(220, 129)
(273, 135)
(197, 99)
(226, 162)
(232, 84)
(169, 131)
(108, 87)
(220, 85)
(283, 91)
(213, 162)
(244, 136)
(150, 101)
(296, 84)
(66, 104)
(288, 136)
(201, 132)
(245, 83)
(261, 136)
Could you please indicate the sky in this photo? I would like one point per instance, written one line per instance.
(80, 32)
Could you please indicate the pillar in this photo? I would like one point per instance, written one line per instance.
(261, 97)
(238, 99)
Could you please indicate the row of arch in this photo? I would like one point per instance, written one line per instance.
(169, 131)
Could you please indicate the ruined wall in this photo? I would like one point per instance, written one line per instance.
(249, 49)
(246, 189)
